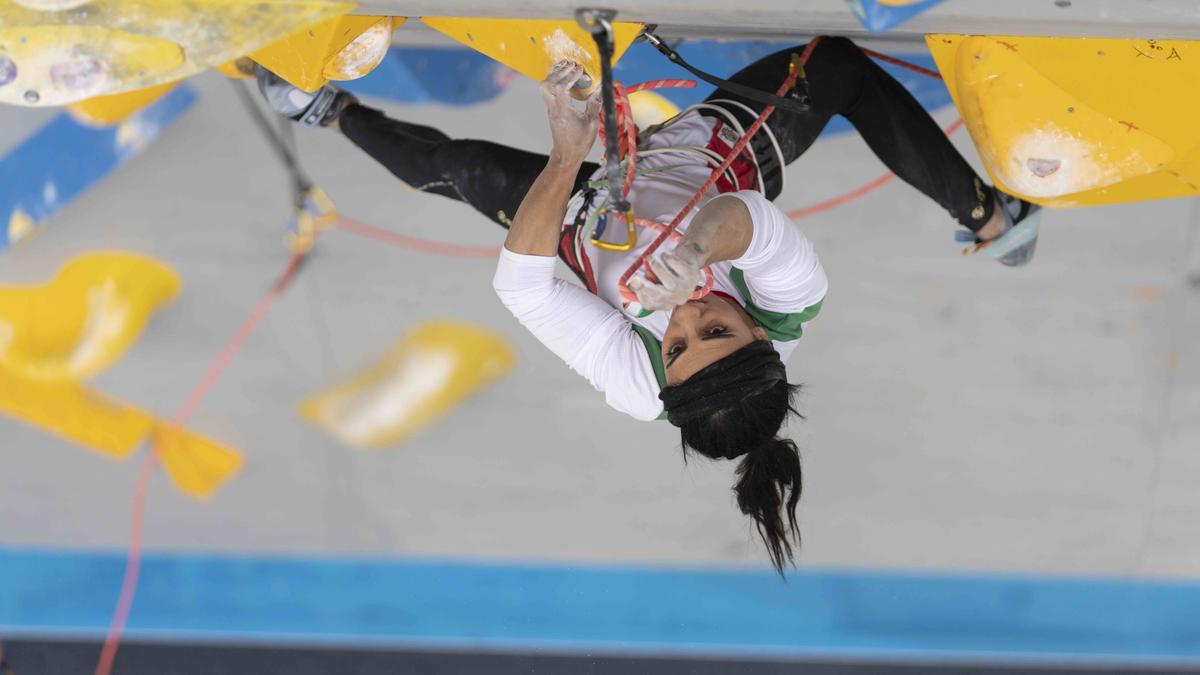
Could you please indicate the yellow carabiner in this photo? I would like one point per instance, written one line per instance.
(630, 239)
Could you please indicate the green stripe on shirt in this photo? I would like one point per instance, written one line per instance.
(778, 325)
(654, 351)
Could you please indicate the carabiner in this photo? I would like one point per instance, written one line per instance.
(630, 239)
(799, 90)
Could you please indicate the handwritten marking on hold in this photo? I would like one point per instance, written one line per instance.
(1129, 126)
(1011, 46)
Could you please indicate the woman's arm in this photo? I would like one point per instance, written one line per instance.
(594, 339)
(536, 227)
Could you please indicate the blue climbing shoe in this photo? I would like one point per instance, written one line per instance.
(1015, 247)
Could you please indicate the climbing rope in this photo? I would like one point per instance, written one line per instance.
(847, 197)
(133, 560)
(361, 229)
(879, 56)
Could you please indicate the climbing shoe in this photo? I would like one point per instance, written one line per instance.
(1015, 247)
(318, 109)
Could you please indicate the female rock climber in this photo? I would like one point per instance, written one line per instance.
(713, 367)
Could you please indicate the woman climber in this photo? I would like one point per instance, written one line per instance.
(713, 366)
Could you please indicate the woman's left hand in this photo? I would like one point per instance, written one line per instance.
(573, 130)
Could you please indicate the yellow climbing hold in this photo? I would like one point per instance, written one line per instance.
(103, 111)
(196, 465)
(1078, 121)
(533, 46)
(54, 335)
(83, 320)
(73, 412)
(428, 373)
(117, 46)
(343, 48)
(115, 429)
(650, 108)
(365, 52)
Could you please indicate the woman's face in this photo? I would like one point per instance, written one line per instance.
(703, 331)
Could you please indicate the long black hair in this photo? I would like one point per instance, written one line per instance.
(734, 408)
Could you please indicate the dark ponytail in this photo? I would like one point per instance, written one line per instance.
(768, 489)
(735, 409)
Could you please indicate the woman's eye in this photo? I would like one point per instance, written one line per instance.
(675, 349)
(715, 330)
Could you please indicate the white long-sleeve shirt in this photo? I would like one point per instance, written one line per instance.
(779, 281)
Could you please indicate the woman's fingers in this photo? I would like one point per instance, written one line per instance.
(667, 275)
(646, 291)
(593, 105)
(684, 266)
(561, 77)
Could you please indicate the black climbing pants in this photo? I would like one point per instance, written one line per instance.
(842, 80)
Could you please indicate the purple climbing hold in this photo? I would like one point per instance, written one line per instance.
(8, 70)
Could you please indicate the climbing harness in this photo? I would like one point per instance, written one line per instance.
(616, 114)
(795, 69)
(793, 91)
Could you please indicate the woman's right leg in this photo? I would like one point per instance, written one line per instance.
(491, 177)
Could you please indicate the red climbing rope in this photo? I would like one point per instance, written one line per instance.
(200, 392)
(903, 64)
(850, 196)
(625, 118)
(133, 561)
(423, 245)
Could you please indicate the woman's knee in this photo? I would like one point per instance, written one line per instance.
(838, 48)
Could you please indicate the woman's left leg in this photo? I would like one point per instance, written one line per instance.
(844, 81)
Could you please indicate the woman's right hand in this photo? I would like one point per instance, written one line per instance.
(679, 272)
(573, 130)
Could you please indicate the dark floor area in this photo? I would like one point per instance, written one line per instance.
(73, 658)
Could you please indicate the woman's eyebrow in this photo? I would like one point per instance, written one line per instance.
(720, 336)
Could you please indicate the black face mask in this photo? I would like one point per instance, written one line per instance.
(750, 370)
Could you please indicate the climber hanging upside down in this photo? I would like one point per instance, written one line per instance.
(713, 367)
